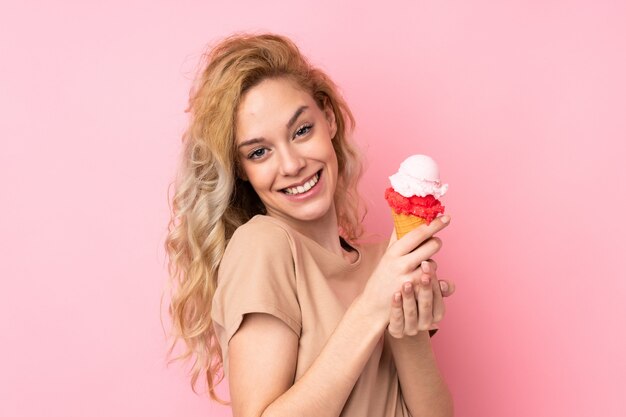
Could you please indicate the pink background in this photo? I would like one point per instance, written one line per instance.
(521, 102)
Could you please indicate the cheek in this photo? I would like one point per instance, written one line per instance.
(324, 149)
(332, 157)
(258, 176)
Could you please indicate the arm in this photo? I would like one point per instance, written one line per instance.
(423, 388)
(261, 385)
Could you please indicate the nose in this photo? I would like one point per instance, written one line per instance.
(291, 161)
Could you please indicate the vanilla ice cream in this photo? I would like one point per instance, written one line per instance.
(418, 176)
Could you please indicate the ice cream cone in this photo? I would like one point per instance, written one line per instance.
(405, 223)
(414, 193)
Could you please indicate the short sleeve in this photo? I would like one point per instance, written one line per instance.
(256, 275)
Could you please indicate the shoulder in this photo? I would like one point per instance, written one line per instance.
(260, 245)
(256, 275)
(260, 233)
(261, 226)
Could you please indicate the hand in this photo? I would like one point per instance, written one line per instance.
(419, 307)
(401, 263)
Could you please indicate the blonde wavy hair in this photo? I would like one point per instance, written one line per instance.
(211, 201)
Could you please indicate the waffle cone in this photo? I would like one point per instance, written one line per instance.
(405, 223)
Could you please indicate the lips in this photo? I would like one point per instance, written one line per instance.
(304, 186)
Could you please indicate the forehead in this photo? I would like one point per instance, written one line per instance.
(269, 105)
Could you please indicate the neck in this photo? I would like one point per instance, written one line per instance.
(324, 231)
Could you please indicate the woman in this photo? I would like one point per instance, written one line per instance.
(271, 286)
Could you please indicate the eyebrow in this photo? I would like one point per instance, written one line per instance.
(295, 116)
(289, 124)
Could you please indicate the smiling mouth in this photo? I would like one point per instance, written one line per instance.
(301, 189)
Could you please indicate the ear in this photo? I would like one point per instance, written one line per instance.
(330, 117)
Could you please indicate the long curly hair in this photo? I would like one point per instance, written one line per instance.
(211, 201)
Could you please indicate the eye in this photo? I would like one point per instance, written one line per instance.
(303, 130)
(257, 153)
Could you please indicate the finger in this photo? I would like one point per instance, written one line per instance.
(393, 238)
(439, 308)
(396, 316)
(425, 301)
(423, 253)
(447, 288)
(433, 264)
(419, 235)
(410, 309)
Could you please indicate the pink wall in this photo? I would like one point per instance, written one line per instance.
(522, 103)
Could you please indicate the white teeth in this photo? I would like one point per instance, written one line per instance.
(305, 187)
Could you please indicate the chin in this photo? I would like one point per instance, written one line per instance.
(314, 214)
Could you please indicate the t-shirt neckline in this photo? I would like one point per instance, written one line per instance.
(344, 244)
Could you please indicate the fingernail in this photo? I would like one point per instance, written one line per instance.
(425, 266)
(425, 280)
(408, 287)
(443, 285)
(396, 297)
(445, 219)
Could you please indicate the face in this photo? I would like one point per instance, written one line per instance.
(284, 146)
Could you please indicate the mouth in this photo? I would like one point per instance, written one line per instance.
(305, 187)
